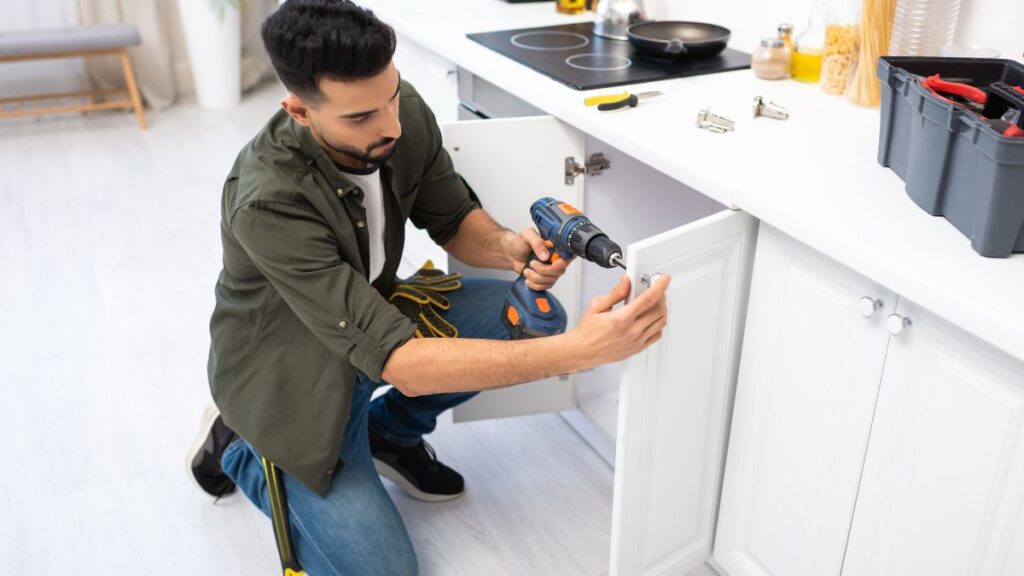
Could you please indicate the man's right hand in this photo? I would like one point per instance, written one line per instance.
(605, 335)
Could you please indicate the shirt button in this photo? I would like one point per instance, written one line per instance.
(361, 224)
(329, 473)
(343, 324)
(340, 192)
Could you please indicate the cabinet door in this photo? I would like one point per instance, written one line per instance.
(510, 163)
(804, 401)
(676, 397)
(436, 80)
(943, 485)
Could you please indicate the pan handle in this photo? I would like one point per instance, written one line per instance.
(675, 46)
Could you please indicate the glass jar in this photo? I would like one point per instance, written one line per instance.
(842, 44)
(571, 6)
(771, 61)
(923, 27)
(786, 33)
(807, 46)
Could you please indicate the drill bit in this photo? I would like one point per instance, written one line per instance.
(616, 260)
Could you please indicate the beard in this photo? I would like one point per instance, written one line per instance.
(361, 154)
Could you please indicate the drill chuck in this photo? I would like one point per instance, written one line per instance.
(588, 241)
(603, 252)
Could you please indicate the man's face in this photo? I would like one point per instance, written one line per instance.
(355, 120)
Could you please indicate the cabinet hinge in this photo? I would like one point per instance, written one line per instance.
(596, 163)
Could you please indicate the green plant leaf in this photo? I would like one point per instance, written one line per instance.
(220, 7)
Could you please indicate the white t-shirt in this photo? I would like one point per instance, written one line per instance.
(373, 202)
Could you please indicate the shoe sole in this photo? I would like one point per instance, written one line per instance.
(395, 476)
(209, 415)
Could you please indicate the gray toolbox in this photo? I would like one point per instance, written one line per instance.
(957, 162)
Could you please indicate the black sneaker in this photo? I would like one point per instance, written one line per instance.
(415, 470)
(204, 457)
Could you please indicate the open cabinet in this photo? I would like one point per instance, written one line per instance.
(675, 398)
(510, 163)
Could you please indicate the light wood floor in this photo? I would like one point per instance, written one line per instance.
(108, 253)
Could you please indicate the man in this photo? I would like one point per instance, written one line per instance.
(313, 215)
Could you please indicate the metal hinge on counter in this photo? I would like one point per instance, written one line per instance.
(596, 163)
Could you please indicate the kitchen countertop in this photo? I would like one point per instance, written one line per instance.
(815, 176)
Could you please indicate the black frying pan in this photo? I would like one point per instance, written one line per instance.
(678, 40)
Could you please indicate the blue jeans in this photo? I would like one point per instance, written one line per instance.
(355, 529)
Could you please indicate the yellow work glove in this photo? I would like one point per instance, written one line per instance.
(421, 296)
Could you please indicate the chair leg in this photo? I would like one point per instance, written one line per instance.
(133, 89)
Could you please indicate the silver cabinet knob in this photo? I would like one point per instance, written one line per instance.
(897, 324)
(648, 280)
(868, 306)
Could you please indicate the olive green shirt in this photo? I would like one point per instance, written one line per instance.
(296, 318)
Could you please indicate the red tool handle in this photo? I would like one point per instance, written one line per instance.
(1015, 131)
(940, 86)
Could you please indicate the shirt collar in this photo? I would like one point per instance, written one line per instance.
(337, 179)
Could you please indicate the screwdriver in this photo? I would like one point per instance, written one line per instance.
(606, 102)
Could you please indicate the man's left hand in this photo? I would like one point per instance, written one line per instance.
(539, 276)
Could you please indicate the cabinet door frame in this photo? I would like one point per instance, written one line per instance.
(666, 494)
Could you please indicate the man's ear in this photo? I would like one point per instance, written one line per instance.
(296, 108)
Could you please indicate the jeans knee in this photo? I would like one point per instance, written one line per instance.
(389, 559)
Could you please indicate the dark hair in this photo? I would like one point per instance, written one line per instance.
(309, 40)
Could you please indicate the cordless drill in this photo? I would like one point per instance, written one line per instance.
(567, 233)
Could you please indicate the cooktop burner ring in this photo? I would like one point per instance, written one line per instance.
(621, 62)
(519, 40)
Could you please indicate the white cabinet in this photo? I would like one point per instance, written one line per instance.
(676, 397)
(435, 78)
(807, 387)
(655, 203)
(943, 485)
(863, 444)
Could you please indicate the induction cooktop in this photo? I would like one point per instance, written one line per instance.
(574, 55)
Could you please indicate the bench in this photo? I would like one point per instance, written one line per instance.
(73, 43)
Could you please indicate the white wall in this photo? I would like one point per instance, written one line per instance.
(995, 24)
(990, 23)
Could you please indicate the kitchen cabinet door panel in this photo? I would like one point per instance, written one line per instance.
(675, 397)
(943, 485)
(435, 80)
(807, 387)
(510, 163)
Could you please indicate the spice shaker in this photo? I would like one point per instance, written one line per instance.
(771, 60)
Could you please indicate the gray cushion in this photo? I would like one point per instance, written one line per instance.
(28, 42)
